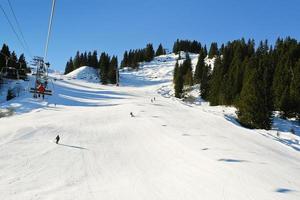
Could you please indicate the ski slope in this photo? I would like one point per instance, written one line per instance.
(170, 150)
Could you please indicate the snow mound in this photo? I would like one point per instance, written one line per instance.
(84, 73)
(210, 61)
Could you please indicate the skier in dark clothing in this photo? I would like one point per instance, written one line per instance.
(57, 139)
(131, 114)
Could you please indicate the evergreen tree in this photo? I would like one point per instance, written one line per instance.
(204, 86)
(149, 53)
(76, 61)
(160, 50)
(85, 59)
(94, 59)
(199, 68)
(104, 63)
(213, 51)
(69, 66)
(186, 65)
(215, 82)
(89, 59)
(175, 47)
(125, 62)
(113, 66)
(4, 53)
(178, 86)
(12, 62)
(22, 67)
(186, 46)
(253, 110)
(188, 78)
(295, 90)
(176, 71)
(205, 51)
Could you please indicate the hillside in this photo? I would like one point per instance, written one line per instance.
(170, 149)
(85, 73)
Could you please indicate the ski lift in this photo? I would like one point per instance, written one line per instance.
(41, 82)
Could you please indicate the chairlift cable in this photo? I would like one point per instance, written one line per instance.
(12, 27)
(19, 27)
(49, 30)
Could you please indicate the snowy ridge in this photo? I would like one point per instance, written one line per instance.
(84, 73)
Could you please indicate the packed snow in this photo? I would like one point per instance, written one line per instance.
(85, 73)
(170, 149)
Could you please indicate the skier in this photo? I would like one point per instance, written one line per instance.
(131, 114)
(57, 139)
(41, 90)
(154, 98)
(151, 101)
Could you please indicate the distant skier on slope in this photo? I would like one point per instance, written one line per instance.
(57, 139)
(131, 114)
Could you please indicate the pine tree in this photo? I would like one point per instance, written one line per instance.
(160, 50)
(76, 61)
(175, 47)
(104, 63)
(253, 110)
(94, 59)
(12, 62)
(176, 71)
(295, 90)
(178, 86)
(199, 68)
(215, 83)
(213, 51)
(89, 59)
(188, 78)
(22, 66)
(187, 64)
(113, 66)
(85, 59)
(3, 53)
(149, 53)
(125, 60)
(69, 66)
(204, 86)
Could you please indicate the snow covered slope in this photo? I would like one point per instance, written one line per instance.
(85, 73)
(170, 150)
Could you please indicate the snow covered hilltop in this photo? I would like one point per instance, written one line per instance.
(169, 149)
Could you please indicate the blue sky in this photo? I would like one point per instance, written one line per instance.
(117, 25)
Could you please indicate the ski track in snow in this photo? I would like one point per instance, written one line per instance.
(169, 149)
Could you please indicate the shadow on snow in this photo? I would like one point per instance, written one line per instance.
(72, 146)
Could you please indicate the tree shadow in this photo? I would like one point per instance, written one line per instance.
(232, 160)
(284, 190)
(285, 125)
(287, 142)
(232, 119)
(72, 146)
